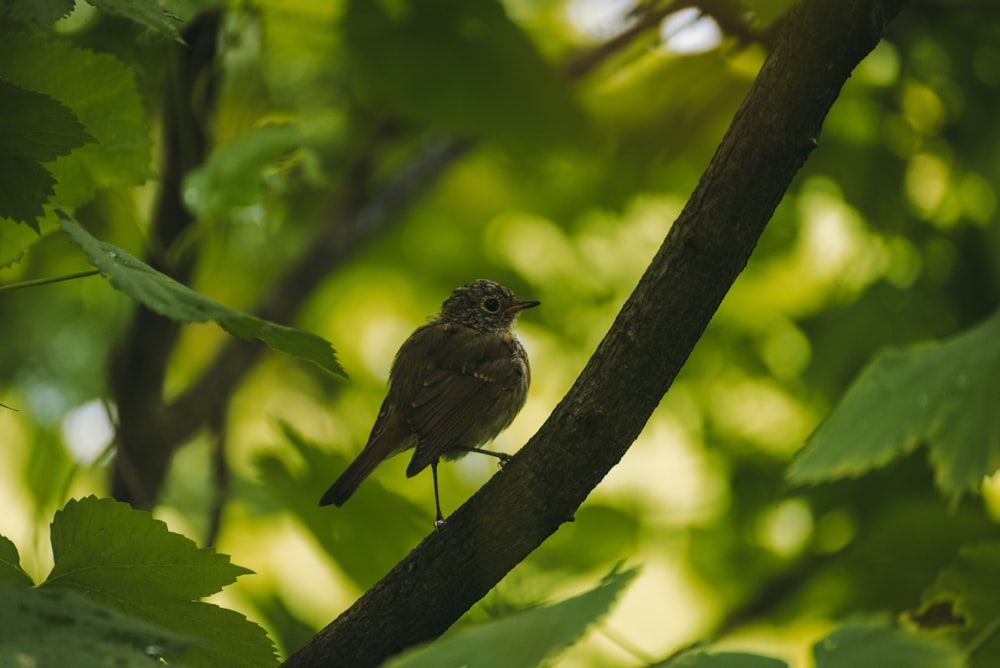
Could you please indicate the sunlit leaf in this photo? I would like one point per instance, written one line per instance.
(127, 560)
(524, 638)
(944, 396)
(174, 300)
(232, 175)
(46, 628)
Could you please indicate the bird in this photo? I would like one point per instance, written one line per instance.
(456, 382)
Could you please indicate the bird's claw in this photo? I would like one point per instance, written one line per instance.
(502, 460)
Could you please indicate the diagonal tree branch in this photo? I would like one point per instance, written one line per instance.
(770, 138)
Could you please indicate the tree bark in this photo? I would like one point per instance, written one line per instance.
(771, 136)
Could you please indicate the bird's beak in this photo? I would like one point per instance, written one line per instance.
(520, 306)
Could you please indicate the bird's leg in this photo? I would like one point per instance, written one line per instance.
(437, 499)
(502, 456)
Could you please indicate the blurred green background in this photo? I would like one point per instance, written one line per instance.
(568, 186)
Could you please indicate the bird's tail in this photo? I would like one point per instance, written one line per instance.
(389, 436)
(341, 490)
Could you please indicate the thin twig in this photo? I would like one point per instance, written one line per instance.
(45, 281)
(982, 638)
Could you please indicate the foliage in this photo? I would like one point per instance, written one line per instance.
(341, 167)
(121, 584)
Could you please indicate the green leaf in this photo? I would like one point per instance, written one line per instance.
(721, 660)
(125, 559)
(101, 93)
(875, 645)
(24, 187)
(174, 300)
(34, 128)
(42, 13)
(146, 13)
(944, 396)
(965, 595)
(231, 177)
(53, 629)
(11, 572)
(522, 639)
(465, 67)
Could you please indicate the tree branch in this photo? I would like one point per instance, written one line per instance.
(771, 136)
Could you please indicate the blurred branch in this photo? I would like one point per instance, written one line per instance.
(771, 136)
(138, 366)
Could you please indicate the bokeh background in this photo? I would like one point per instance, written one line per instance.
(567, 185)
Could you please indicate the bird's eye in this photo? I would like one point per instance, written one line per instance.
(491, 304)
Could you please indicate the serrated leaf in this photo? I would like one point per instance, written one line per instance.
(125, 559)
(16, 239)
(35, 126)
(967, 592)
(944, 396)
(54, 629)
(522, 639)
(176, 301)
(11, 572)
(146, 13)
(101, 92)
(42, 13)
(721, 660)
(231, 176)
(24, 186)
(874, 645)
(463, 66)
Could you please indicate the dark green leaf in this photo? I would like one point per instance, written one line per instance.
(46, 628)
(522, 639)
(721, 660)
(944, 396)
(42, 13)
(146, 13)
(874, 645)
(127, 560)
(24, 187)
(966, 595)
(174, 300)
(11, 572)
(35, 126)
(463, 66)
(101, 92)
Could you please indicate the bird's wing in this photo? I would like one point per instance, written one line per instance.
(457, 401)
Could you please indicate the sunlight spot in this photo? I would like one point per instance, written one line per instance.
(690, 31)
(87, 432)
(786, 529)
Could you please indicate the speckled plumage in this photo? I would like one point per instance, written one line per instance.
(455, 383)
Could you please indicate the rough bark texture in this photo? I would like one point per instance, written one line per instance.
(770, 138)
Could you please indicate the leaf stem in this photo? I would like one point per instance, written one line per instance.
(984, 636)
(46, 281)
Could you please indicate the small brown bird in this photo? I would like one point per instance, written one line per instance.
(455, 383)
